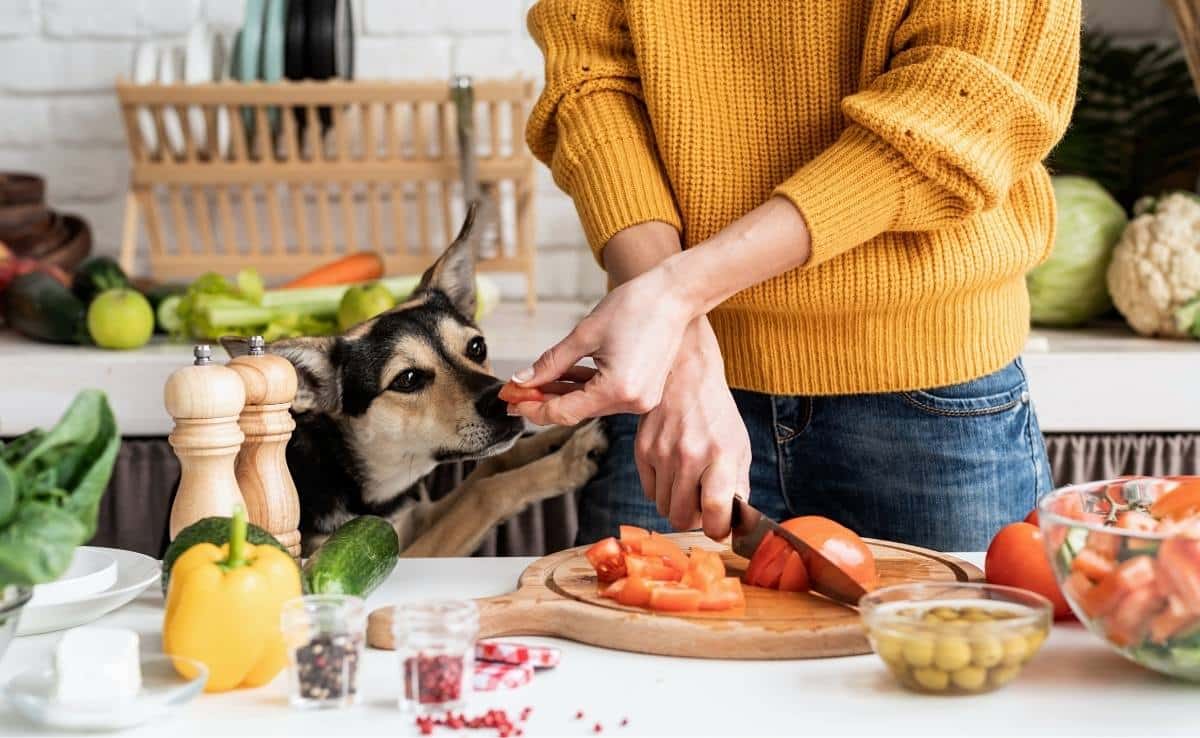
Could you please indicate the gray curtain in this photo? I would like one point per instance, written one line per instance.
(134, 512)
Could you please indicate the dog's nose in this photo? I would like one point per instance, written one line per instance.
(489, 405)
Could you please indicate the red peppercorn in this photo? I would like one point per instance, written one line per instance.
(597, 728)
(624, 722)
(579, 714)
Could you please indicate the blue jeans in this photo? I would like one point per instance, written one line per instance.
(943, 468)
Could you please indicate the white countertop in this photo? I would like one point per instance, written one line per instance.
(1075, 686)
(1101, 379)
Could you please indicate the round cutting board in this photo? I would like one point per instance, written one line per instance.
(557, 596)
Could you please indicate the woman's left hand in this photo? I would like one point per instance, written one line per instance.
(632, 335)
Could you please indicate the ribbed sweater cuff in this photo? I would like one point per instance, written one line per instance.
(616, 178)
(850, 193)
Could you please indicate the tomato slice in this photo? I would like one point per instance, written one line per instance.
(650, 567)
(675, 598)
(1174, 621)
(514, 394)
(1136, 573)
(637, 591)
(724, 594)
(632, 537)
(839, 545)
(607, 558)
(1107, 545)
(1136, 520)
(794, 577)
(704, 568)
(1179, 565)
(769, 548)
(1131, 619)
(1181, 501)
(613, 591)
(1092, 565)
(659, 545)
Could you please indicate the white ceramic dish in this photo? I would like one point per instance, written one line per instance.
(170, 71)
(92, 570)
(31, 693)
(145, 72)
(135, 572)
(206, 61)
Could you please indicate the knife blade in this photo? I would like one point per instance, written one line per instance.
(827, 577)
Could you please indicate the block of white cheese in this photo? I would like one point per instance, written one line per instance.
(97, 666)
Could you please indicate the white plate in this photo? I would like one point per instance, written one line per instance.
(135, 572)
(205, 62)
(31, 693)
(170, 71)
(92, 570)
(145, 72)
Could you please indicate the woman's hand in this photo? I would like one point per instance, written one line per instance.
(692, 451)
(632, 335)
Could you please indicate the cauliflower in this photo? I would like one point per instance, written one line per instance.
(1155, 266)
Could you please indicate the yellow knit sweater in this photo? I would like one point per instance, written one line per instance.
(909, 133)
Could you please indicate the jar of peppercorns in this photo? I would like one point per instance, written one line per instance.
(435, 642)
(324, 637)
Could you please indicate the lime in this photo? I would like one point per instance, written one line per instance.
(363, 302)
(120, 319)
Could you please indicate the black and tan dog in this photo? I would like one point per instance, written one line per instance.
(380, 406)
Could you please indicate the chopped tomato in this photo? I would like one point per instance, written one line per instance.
(1131, 619)
(613, 591)
(650, 567)
(632, 537)
(514, 394)
(607, 558)
(673, 556)
(773, 570)
(1092, 565)
(794, 577)
(704, 568)
(1107, 545)
(769, 548)
(723, 594)
(1077, 586)
(675, 598)
(1180, 502)
(1136, 573)
(1136, 520)
(1016, 558)
(636, 592)
(839, 545)
(1179, 564)
(1174, 621)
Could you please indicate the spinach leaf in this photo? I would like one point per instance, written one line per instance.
(8, 493)
(38, 544)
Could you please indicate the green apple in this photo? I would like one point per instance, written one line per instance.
(363, 302)
(120, 318)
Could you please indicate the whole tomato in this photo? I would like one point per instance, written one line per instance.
(1016, 558)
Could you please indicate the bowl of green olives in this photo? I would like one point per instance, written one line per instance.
(955, 638)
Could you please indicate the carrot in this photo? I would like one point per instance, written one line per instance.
(361, 267)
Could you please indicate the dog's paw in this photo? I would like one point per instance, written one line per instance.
(582, 452)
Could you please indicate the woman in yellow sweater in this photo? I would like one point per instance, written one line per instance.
(829, 207)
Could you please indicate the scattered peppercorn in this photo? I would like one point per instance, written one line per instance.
(624, 722)
(597, 728)
(579, 714)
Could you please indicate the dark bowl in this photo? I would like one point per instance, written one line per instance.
(72, 249)
(21, 188)
(19, 221)
(41, 240)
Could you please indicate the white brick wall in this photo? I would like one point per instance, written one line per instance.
(58, 59)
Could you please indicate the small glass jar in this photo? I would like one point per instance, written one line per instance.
(324, 636)
(435, 642)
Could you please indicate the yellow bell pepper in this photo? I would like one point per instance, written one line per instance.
(223, 606)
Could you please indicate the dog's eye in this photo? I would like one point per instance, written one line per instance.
(477, 349)
(409, 380)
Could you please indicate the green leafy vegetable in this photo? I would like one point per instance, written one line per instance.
(51, 484)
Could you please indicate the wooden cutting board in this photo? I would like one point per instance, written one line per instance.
(557, 596)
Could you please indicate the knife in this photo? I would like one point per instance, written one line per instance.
(832, 581)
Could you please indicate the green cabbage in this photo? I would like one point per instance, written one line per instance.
(1070, 288)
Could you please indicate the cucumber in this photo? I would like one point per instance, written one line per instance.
(215, 531)
(355, 560)
(96, 275)
(38, 306)
(166, 315)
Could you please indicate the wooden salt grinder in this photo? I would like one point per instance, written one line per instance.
(205, 400)
(262, 472)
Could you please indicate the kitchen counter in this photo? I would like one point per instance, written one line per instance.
(1075, 686)
(1097, 380)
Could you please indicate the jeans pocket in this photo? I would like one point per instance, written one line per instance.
(993, 393)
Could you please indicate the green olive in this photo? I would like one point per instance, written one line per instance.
(987, 652)
(1004, 674)
(890, 648)
(919, 652)
(1015, 650)
(970, 678)
(946, 613)
(977, 616)
(931, 618)
(934, 680)
(951, 654)
(1033, 642)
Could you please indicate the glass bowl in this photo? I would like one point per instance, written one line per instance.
(31, 693)
(12, 599)
(1126, 553)
(955, 638)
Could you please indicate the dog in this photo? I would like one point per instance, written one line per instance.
(380, 406)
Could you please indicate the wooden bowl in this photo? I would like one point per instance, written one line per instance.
(73, 249)
(20, 188)
(18, 221)
(42, 239)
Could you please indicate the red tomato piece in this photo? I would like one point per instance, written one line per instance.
(613, 591)
(607, 558)
(1016, 558)
(631, 538)
(1092, 565)
(839, 545)
(1181, 501)
(672, 555)
(1136, 573)
(769, 548)
(515, 394)
(636, 592)
(675, 598)
(794, 577)
(1131, 619)
(1174, 621)
(650, 567)
(1136, 520)
(704, 568)
(1107, 545)
(723, 594)
(1077, 586)
(773, 570)
(1179, 564)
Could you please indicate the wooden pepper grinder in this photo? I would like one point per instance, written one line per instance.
(262, 472)
(205, 400)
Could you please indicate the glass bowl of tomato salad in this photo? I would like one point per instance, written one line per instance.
(1126, 553)
(955, 638)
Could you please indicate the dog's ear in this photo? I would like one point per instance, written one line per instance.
(317, 383)
(454, 271)
(235, 346)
